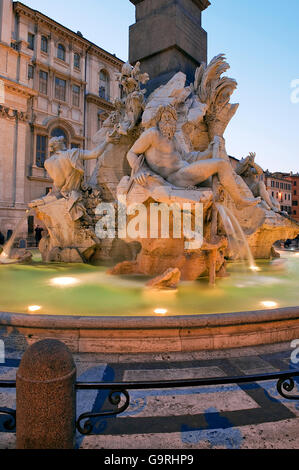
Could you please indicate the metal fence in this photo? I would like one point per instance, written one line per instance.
(119, 396)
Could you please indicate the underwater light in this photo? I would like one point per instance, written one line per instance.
(34, 308)
(269, 304)
(64, 281)
(160, 311)
(255, 268)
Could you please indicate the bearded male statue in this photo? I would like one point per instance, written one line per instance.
(156, 152)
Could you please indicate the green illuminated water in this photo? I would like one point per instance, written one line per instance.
(96, 293)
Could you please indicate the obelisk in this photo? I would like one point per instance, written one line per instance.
(167, 38)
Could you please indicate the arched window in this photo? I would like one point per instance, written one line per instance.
(61, 52)
(104, 90)
(77, 61)
(58, 132)
(44, 44)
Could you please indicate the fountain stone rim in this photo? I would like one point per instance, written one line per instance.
(137, 335)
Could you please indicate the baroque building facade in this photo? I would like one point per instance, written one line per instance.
(53, 82)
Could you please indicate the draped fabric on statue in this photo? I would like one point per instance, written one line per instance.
(66, 169)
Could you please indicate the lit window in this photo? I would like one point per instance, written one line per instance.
(44, 44)
(76, 96)
(43, 82)
(60, 89)
(41, 150)
(61, 52)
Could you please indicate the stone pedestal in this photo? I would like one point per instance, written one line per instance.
(167, 38)
(46, 397)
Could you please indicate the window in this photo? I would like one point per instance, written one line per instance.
(295, 192)
(43, 82)
(295, 203)
(272, 184)
(295, 183)
(295, 212)
(61, 52)
(30, 72)
(44, 44)
(41, 150)
(76, 96)
(104, 89)
(31, 40)
(60, 89)
(58, 132)
(77, 61)
(75, 146)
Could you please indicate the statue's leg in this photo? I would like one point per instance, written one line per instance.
(199, 172)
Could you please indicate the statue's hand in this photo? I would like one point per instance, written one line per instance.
(141, 177)
(113, 139)
(251, 157)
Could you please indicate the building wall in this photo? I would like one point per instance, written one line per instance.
(30, 112)
(281, 189)
(295, 195)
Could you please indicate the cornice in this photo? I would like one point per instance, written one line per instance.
(66, 33)
(91, 98)
(202, 4)
(18, 88)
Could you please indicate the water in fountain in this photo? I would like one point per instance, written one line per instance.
(5, 256)
(236, 237)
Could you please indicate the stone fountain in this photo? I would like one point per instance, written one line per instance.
(164, 201)
(167, 149)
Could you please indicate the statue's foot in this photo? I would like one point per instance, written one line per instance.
(248, 202)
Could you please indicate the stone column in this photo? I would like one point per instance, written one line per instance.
(46, 397)
(168, 38)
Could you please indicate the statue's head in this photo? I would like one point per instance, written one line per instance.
(167, 120)
(56, 144)
(127, 70)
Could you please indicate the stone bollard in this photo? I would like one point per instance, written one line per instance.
(46, 397)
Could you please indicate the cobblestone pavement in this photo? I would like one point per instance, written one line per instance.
(250, 416)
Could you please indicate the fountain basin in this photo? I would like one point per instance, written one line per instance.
(93, 312)
(135, 335)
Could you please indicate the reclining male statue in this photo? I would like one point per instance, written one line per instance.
(157, 149)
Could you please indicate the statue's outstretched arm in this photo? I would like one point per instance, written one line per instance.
(99, 150)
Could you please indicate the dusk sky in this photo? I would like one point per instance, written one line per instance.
(260, 39)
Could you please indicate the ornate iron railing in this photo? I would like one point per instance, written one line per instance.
(10, 423)
(84, 425)
(285, 385)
